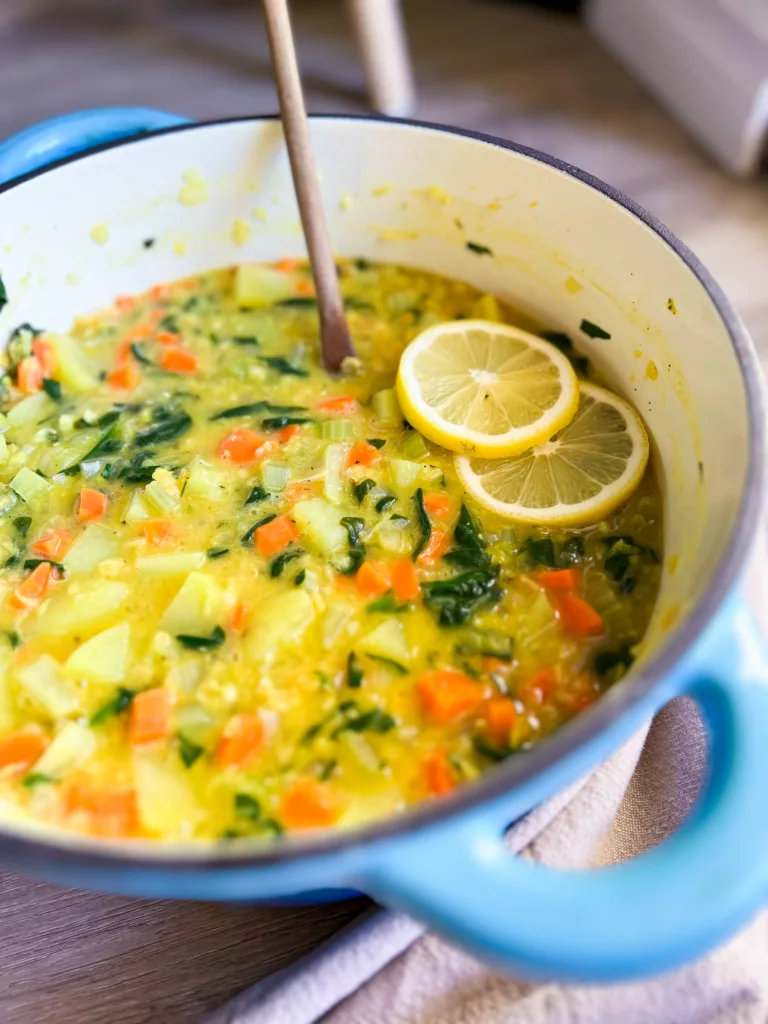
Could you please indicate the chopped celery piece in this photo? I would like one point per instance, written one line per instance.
(7, 499)
(170, 565)
(59, 457)
(30, 410)
(333, 473)
(320, 525)
(278, 621)
(167, 804)
(3, 449)
(69, 750)
(158, 500)
(197, 608)
(386, 641)
(103, 658)
(29, 486)
(386, 406)
(361, 750)
(261, 286)
(334, 621)
(42, 680)
(414, 446)
(204, 482)
(274, 477)
(404, 473)
(71, 366)
(337, 430)
(86, 610)
(137, 509)
(95, 545)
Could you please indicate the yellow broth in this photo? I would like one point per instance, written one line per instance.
(172, 671)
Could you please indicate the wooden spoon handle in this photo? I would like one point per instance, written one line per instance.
(336, 343)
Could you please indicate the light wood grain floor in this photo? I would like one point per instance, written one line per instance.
(71, 958)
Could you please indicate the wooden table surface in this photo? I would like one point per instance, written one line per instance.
(75, 958)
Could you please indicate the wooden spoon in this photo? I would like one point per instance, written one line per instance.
(334, 333)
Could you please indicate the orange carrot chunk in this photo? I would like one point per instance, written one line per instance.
(29, 375)
(241, 741)
(125, 302)
(111, 812)
(404, 580)
(344, 405)
(363, 454)
(308, 804)
(124, 376)
(43, 352)
(435, 548)
(500, 717)
(240, 617)
(299, 489)
(286, 434)
(305, 288)
(287, 265)
(93, 504)
(438, 505)
(22, 748)
(244, 445)
(448, 694)
(373, 579)
(275, 535)
(577, 617)
(438, 774)
(53, 545)
(497, 665)
(34, 588)
(559, 579)
(150, 716)
(156, 531)
(179, 360)
(168, 338)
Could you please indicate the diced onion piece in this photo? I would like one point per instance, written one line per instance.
(274, 477)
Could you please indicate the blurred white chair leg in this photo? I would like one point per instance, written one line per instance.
(381, 39)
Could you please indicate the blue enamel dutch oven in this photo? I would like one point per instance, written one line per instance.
(80, 199)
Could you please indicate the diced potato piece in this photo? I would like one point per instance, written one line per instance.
(73, 746)
(386, 641)
(197, 608)
(167, 805)
(257, 285)
(85, 610)
(320, 525)
(334, 477)
(71, 366)
(95, 545)
(170, 565)
(137, 510)
(103, 658)
(404, 473)
(281, 620)
(204, 483)
(42, 680)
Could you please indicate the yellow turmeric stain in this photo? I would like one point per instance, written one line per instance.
(180, 248)
(494, 206)
(638, 354)
(346, 202)
(195, 190)
(439, 195)
(72, 278)
(670, 617)
(241, 231)
(396, 234)
(651, 370)
(573, 286)
(381, 190)
(672, 564)
(260, 213)
(100, 233)
(534, 203)
(672, 307)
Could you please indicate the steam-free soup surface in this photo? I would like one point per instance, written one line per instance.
(240, 597)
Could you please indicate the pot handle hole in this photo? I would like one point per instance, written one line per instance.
(657, 911)
(61, 137)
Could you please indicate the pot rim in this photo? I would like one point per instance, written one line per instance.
(24, 848)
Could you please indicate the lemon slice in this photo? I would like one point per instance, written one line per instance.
(586, 471)
(485, 388)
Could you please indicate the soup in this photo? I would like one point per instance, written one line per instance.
(240, 597)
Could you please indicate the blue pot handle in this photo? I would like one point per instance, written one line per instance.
(661, 909)
(64, 136)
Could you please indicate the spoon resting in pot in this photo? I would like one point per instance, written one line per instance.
(334, 333)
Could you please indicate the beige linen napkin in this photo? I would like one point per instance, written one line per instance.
(388, 970)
